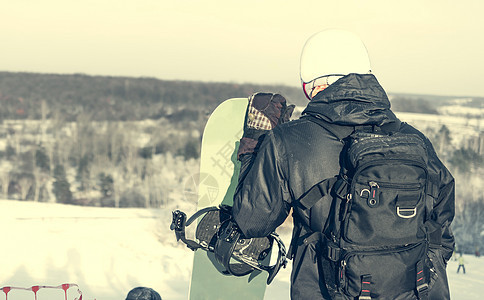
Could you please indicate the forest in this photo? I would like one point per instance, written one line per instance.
(104, 141)
(135, 142)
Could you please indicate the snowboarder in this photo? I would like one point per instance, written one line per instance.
(461, 264)
(281, 162)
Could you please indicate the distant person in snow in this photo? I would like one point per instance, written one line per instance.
(461, 264)
(143, 293)
(284, 161)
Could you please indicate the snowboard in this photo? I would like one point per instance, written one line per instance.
(219, 173)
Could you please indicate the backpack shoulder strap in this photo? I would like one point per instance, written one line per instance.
(338, 131)
(316, 192)
(391, 127)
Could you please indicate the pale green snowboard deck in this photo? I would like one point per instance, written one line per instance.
(219, 172)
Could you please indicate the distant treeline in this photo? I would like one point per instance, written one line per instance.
(414, 105)
(37, 96)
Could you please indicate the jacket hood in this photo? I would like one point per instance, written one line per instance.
(355, 99)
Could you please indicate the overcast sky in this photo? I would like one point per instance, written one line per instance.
(416, 46)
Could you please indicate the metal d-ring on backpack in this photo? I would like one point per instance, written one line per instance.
(217, 233)
(377, 236)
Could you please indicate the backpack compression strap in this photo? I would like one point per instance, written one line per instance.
(422, 281)
(365, 293)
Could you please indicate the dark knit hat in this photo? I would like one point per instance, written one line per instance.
(143, 293)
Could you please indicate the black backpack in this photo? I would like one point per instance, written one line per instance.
(376, 238)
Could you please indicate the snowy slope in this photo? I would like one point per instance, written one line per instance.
(109, 251)
(105, 251)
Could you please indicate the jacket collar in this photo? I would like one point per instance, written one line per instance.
(355, 99)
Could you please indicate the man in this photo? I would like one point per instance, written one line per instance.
(281, 163)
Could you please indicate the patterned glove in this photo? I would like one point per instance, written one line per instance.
(264, 112)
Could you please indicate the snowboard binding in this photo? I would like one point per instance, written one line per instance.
(217, 233)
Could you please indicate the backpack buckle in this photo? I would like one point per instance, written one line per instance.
(422, 287)
(406, 213)
(422, 291)
(333, 253)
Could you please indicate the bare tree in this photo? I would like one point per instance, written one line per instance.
(25, 183)
(44, 108)
(83, 133)
(57, 123)
(5, 176)
(41, 179)
(117, 184)
(147, 180)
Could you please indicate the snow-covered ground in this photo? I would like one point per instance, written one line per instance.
(109, 251)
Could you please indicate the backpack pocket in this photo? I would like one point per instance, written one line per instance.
(386, 211)
(384, 273)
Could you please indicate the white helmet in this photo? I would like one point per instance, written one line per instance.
(330, 54)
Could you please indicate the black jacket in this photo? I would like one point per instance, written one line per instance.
(296, 155)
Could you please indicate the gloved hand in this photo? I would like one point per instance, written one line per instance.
(264, 112)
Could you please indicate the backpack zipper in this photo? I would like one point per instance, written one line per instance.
(408, 161)
(347, 205)
(373, 163)
(349, 254)
(400, 186)
(380, 251)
